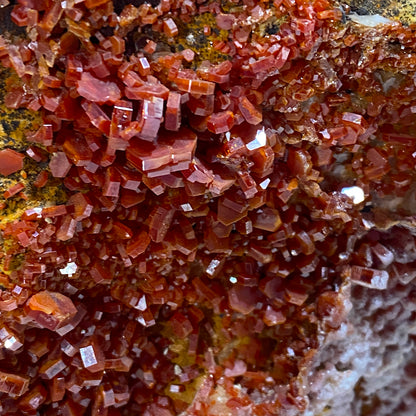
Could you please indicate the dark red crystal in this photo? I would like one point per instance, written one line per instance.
(10, 161)
(219, 183)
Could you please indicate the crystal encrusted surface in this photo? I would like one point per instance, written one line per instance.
(230, 171)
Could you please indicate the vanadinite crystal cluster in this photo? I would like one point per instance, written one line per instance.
(212, 212)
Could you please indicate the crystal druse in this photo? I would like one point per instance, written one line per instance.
(207, 208)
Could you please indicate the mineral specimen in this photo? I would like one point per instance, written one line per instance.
(236, 230)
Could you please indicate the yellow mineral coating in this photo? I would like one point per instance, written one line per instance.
(191, 36)
(222, 346)
(181, 346)
(188, 394)
(14, 125)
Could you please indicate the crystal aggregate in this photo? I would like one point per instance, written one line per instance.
(207, 250)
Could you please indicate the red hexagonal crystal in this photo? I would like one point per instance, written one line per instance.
(13, 384)
(10, 161)
(51, 309)
(59, 165)
(96, 90)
